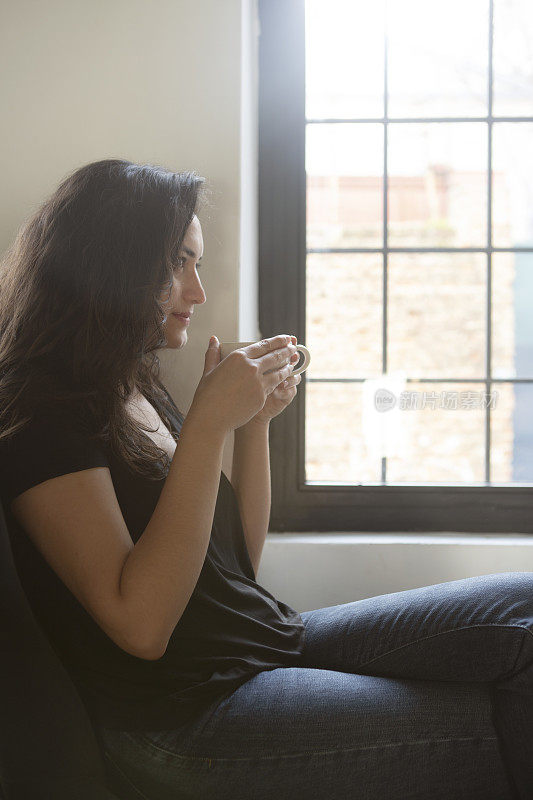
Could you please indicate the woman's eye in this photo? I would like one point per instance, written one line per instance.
(182, 259)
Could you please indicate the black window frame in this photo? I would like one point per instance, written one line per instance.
(297, 505)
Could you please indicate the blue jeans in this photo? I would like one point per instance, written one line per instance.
(425, 694)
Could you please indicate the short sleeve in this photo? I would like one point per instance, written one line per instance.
(48, 446)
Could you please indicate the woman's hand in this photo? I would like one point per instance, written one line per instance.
(278, 400)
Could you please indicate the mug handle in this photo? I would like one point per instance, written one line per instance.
(307, 358)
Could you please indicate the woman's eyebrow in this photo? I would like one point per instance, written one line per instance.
(190, 253)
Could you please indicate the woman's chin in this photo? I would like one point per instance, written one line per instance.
(176, 339)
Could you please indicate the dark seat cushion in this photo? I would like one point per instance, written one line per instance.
(48, 747)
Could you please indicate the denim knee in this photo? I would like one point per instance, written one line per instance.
(514, 598)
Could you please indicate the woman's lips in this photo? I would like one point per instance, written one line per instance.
(183, 317)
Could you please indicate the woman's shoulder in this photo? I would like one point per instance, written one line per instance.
(53, 442)
(45, 423)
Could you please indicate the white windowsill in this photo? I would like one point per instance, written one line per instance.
(314, 569)
(504, 539)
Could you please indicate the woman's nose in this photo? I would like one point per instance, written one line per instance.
(197, 294)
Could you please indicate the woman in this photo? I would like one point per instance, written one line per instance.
(130, 546)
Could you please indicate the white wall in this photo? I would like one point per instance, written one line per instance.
(155, 82)
(175, 83)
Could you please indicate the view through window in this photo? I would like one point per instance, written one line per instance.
(419, 266)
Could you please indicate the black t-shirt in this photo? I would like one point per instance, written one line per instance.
(231, 629)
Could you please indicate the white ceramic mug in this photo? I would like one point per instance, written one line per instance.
(227, 347)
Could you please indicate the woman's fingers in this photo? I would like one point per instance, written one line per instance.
(292, 381)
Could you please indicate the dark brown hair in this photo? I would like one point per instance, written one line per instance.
(80, 310)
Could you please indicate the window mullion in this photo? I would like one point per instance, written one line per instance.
(489, 249)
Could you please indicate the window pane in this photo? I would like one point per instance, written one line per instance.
(445, 434)
(437, 185)
(436, 314)
(433, 433)
(344, 165)
(344, 59)
(511, 433)
(512, 181)
(344, 314)
(513, 58)
(438, 58)
(335, 445)
(512, 320)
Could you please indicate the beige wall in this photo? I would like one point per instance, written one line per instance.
(158, 82)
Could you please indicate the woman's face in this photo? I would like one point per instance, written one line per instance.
(187, 290)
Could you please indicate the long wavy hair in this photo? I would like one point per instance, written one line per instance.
(81, 313)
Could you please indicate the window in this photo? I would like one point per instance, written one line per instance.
(396, 241)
